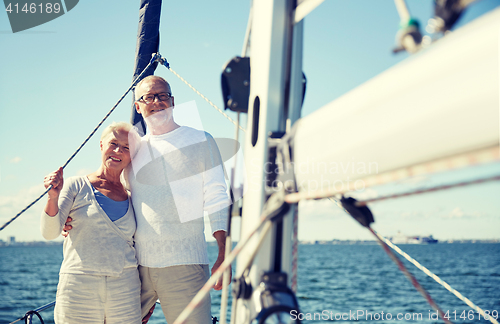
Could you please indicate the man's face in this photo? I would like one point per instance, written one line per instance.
(153, 87)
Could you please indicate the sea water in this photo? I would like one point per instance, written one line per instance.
(342, 283)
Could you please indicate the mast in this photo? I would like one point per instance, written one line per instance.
(276, 93)
(148, 42)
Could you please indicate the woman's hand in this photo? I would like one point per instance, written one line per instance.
(56, 180)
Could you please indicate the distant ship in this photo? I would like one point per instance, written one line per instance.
(428, 239)
(403, 239)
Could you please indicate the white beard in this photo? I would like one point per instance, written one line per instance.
(159, 120)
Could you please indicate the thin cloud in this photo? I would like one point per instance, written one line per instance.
(420, 214)
(458, 213)
(15, 160)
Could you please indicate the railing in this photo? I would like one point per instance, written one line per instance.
(28, 317)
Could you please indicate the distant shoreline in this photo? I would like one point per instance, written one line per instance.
(319, 242)
(370, 242)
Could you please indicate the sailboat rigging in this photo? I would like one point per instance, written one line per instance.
(266, 255)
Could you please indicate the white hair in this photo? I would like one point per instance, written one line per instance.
(114, 127)
(133, 136)
(148, 79)
(133, 141)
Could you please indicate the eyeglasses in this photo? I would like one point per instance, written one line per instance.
(149, 98)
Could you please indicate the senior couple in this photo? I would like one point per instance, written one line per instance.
(135, 226)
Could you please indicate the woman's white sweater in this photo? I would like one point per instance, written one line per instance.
(95, 245)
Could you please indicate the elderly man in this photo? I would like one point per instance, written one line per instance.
(175, 177)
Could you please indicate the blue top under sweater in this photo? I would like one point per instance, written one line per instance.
(114, 209)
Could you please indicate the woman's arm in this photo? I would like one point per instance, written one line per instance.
(54, 179)
(53, 218)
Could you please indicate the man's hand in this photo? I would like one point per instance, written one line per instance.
(218, 284)
(220, 236)
(148, 315)
(67, 227)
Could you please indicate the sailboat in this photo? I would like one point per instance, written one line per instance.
(426, 122)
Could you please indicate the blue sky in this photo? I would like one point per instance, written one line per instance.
(59, 79)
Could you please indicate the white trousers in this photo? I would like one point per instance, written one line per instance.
(90, 299)
(175, 286)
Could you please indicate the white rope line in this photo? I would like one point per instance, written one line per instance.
(225, 284)
(225, 277)
(206, 99)
(432, 189)
(295, 250)
(410, 277)
(437, 279)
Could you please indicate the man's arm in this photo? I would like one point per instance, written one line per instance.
(220, 237)
(216, 200)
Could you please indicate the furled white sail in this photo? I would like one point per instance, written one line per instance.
(439, 103)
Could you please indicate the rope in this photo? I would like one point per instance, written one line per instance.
(295, 245)
(225, 285)
(225, 278)
(402, 9)
(410, 277)
(486, 155)
(206, 99)
(436, 278)
(432, 189)
(81, 146)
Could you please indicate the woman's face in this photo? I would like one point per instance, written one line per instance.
(115, 150)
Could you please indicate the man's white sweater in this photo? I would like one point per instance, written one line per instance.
(175, 178)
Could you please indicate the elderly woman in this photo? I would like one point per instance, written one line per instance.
(98, 280)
